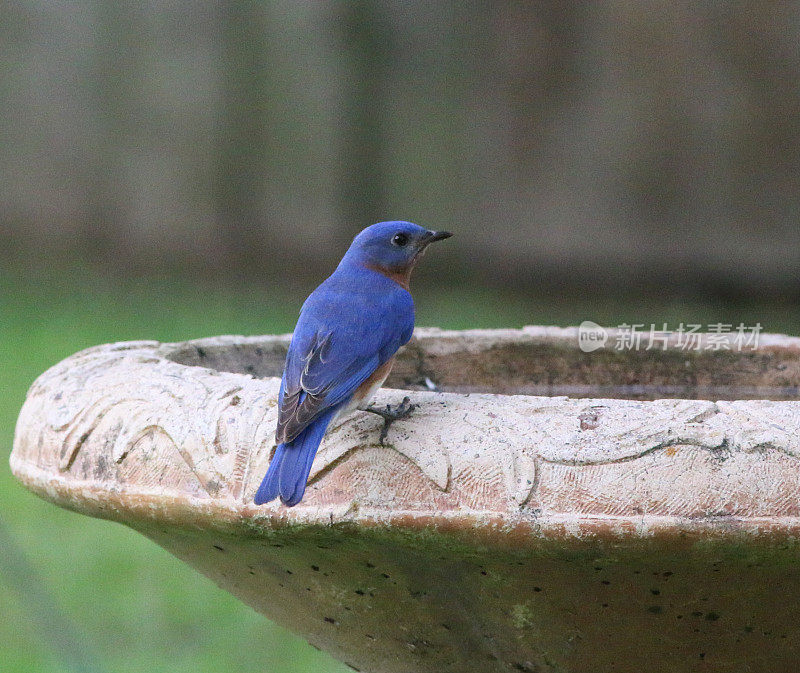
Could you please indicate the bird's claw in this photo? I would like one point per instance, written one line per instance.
(390, 415)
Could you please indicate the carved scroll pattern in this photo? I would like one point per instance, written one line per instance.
(125, 416)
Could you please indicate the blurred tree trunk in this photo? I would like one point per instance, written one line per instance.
(104, 230)
(244, 139)
(538, 50)
(366, 43)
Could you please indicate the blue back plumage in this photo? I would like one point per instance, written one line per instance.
(353, 323)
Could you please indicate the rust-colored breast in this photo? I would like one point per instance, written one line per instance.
(367, 389)
(400, 275)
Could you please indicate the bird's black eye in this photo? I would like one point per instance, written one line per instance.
(400, 240)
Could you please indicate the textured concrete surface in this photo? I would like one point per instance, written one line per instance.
(495, 531)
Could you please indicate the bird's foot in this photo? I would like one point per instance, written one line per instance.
(392, 414)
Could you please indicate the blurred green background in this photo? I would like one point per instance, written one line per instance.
(172, 170)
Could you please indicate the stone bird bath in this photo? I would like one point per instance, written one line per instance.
(533, 516)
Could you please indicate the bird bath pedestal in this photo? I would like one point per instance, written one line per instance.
(549, 510)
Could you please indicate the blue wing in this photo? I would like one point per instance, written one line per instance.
(348, 327)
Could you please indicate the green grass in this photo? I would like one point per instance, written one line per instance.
(132, 605)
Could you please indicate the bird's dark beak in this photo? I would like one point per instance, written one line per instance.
(432, 236)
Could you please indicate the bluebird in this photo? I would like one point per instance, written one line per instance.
(343, 348)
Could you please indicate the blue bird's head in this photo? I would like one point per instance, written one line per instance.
(392, 248)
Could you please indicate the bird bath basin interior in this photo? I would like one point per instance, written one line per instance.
(544, 509)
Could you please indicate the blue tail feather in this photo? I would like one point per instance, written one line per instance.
(290, 466)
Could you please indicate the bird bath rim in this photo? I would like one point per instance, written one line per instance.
(507, 465)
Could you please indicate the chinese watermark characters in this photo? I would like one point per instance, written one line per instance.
(686, 337)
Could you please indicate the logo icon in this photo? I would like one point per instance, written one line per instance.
(591, 336)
